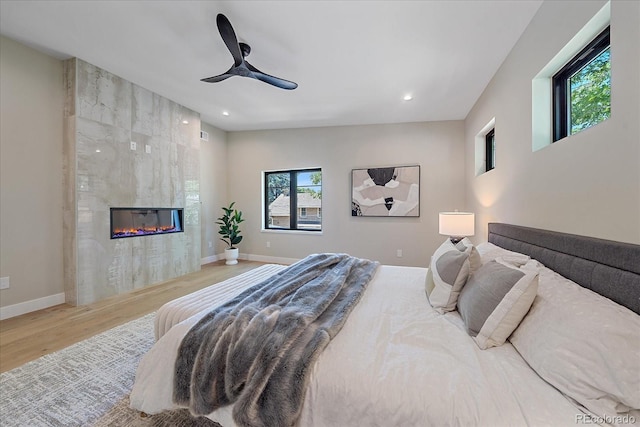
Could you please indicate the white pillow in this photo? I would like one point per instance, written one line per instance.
(494, 300)
(489, 252)
(584, 344)
(448, 272)
(474, 256)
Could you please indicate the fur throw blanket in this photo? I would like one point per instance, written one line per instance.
(257, 349)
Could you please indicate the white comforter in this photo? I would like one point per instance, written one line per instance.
(396, 362)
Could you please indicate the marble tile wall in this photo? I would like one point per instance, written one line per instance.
(103, 116)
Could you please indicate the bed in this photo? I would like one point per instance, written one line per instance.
(404, 359)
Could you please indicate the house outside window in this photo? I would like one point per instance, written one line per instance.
(582, 89)
(302, 212)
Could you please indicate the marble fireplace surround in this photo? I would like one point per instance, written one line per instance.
(125, 146)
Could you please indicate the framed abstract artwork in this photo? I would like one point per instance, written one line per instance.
(386, 191)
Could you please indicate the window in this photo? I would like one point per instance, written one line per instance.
(490, 150)
(582, 89)
(485, 148)
(302, 212)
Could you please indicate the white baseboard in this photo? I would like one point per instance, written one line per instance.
(251, 257)
(271, 259)
(29, 306)
(210, 259)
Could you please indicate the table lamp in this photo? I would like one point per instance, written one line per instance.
(456, 225)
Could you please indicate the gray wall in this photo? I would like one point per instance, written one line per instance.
(213, 189)
(31, 98)
(588, 183)
(437, 147)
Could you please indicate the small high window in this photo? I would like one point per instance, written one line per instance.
(485, 148)
(582, 89)
(490, 150)
(300, 212)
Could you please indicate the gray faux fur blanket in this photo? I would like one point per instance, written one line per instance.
(257, 349)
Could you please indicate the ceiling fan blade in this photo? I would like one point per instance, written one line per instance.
(229, 38)
(272, 80)
(218, 78)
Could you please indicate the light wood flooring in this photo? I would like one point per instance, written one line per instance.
(27, 337)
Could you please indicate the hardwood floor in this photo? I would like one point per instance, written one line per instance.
(27, 337)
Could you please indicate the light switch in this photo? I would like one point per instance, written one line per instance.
(147, 149)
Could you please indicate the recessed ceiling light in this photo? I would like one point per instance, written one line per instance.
(98, 150)
(225, 113)
(185, 122)
(408, 97)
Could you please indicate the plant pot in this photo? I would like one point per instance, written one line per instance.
(231, 255)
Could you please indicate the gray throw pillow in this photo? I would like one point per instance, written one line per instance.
(494, 301)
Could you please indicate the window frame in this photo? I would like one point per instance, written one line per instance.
(560, 83)
(490, 150)
(293, 201)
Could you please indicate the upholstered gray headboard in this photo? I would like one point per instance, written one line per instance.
(609, 268)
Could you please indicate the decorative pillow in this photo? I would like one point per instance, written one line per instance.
(584, 344)
(494, 301)
(448, 272)
(489, 252)
(474, 256)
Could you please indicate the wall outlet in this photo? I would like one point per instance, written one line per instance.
(210, 245)
(133, 145)
(4, 282)
(399, 253)
(268, 244)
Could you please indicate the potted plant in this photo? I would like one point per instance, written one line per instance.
(230, 232)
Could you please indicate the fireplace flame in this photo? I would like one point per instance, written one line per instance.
(121, 232)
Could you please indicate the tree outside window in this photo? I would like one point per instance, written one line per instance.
(582, 89)
(591, 93)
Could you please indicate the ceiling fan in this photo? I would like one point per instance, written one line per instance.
(240, 66)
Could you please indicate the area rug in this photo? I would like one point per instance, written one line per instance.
(122, 415)
(86, 384)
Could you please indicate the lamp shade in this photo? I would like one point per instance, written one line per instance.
(457, 224)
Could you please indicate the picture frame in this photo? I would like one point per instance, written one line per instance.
(392, 191)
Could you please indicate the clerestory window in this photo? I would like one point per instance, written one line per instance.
(490, 150)
(582, 89)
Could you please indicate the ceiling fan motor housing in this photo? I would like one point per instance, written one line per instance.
(245, 49)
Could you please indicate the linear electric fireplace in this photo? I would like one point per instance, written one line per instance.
(132, 222)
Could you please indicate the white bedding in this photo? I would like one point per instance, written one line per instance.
(396, 362)
(184, 307)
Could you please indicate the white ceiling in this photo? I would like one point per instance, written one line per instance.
(353, 60)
